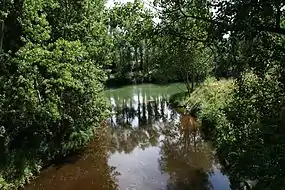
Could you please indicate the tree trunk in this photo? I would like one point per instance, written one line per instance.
(192, 82)
(188, 85)
(278, 14)
(1, 35)
(141, 57)
(136, 63)
(147, 61)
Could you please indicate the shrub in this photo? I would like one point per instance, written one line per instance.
(49, 106)
(208, 102)
(256, 150)
(245, 121)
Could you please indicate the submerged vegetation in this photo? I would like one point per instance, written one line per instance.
(56, 57)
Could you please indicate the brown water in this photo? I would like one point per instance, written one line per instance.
(147, 146)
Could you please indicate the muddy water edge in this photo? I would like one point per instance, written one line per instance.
(146, 145)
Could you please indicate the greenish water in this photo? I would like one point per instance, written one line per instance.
(146, 146)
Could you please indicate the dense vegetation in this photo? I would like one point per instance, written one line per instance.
(52, 53)
(56, 56)
(147, 46)
(245, 118)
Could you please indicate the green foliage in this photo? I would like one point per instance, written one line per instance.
(248, 134)
(131, 26)
(4, 185)
(51, 96)
(177, 100)
(183, 51)
(148, 49)
(208, 102)
(53, 55)
(246, 122)
(211, 92)
(180, 60)
(257, 147)
(255, 17)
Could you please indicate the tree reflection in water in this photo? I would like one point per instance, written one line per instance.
(135, 123)
(174, 156)
(185, 156)
(88, 171)
(185, 160)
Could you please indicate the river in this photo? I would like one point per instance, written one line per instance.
(146, 145)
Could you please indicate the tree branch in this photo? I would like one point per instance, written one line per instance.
(1, 34)
(193, 16)
(276, 30)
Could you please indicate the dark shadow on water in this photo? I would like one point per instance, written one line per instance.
(88, 170)
(70, 159)
(115, 84)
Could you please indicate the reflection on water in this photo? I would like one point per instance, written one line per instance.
(88, 171)
(135, 123)
(148, 146)
(186, 157)
(154, 147)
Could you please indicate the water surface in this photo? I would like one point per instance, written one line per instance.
(147, 146)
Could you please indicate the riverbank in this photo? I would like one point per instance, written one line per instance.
(120, 82)
(34, 171)
(149, 145)
(248, 137)
(208, 103)
(211, 104)
(88, 169)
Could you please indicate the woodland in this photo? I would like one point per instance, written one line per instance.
(58, 56)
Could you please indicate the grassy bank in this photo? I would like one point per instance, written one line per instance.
(208, 103)
(178, 100)
(249, 141)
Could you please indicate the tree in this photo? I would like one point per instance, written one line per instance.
(51, 96)
(248, 41)
(185, 49)
(130, 28)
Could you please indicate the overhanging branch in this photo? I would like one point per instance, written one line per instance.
(277, 29)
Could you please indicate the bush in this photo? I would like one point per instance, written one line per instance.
(245, 120)
(208, 102)
(4, 185)
(256, 150)
(177, 100)
(49, 106)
